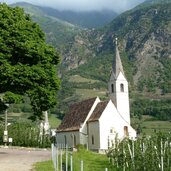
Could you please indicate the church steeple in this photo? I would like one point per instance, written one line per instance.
(118, 87)
(117, 64)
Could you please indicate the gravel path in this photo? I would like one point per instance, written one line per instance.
(21, 159)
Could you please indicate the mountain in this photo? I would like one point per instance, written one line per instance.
(145, 39)
(144, 35)
(58, 31)
(85, 19)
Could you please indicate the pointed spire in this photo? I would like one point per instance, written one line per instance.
(117, 65)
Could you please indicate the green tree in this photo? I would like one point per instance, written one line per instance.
(27, 63)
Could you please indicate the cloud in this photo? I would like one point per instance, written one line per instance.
(83, 5)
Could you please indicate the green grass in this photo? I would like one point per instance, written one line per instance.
(44, 166)
(13, 117)
(79, 79)
(54, 121)
(150, 125)
(89, 93)
(92, 162)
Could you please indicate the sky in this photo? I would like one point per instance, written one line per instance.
(83, 5)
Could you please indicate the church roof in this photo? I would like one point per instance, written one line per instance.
(98, 111)
(77, 114)
(117, 65)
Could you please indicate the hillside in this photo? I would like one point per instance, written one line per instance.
(144, 41)
(85, 19)
(58, 32)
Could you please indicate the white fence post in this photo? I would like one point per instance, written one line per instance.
(82, 166)
(66, 158)
(56, 157)
(61, 157)
(71, 162)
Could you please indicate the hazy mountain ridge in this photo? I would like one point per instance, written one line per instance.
(145, 37)
(144, 41)
(86, 19)
(58, 32)
(89, 19)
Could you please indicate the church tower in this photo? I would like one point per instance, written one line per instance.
(118, 87)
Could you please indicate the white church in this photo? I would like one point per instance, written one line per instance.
(95, 123)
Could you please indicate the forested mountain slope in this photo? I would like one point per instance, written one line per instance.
(144, 35)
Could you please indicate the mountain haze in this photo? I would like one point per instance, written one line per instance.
(86, 19)
(144, 42)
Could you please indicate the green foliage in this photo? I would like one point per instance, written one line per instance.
(44, 166)
(26, 134)
(158, 108)
(146, 153)
(27, 63)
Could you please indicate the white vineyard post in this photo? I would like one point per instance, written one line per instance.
(81, 165)
(56, 157)
(71, 162)
(66, 157)
(61, 158)
(161, 156)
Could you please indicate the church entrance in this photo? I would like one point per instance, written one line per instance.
(125, 131)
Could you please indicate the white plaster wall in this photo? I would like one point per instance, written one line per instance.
(93, 129)
(112, 119)
(107, 121)
(83, 128)
(69, 137)
(122, 98)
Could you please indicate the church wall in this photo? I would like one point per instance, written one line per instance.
(83, 128)
(93, 136)
(107, 122)
(111, 126)
(68, 138)
(122, 97)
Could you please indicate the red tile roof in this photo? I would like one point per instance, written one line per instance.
(98, 111)
(76, 115)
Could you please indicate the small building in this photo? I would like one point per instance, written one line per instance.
(95, 123)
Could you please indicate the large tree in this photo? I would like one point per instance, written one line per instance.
(27, 63)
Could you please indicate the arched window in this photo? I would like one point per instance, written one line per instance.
(112, 88)
(92, 139)
(65, 140)
(75, 142)
(121, 87)
(126, 131)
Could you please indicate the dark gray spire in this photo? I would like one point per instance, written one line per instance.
(117, 65)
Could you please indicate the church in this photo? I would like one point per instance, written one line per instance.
(95, 123)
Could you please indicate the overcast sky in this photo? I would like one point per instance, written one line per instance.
(83, 5)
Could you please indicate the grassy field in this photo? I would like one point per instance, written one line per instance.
(92, 162)
(89, 93)
(13, 117)
(149, 125)
(44, 166)
(79, 79)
